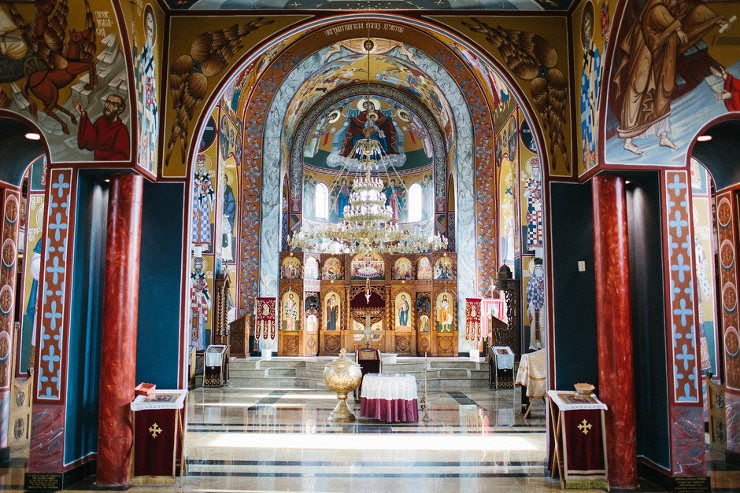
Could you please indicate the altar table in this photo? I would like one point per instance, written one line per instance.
(389, 397)
(578, 440)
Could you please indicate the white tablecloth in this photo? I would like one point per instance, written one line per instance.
(389, 386)
(504, 357)
(532, 373)
(389, 397)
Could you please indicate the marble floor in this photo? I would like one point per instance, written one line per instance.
(268, 440)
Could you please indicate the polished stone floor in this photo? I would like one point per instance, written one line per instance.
(268, 440)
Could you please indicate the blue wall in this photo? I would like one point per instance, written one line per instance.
(648, 317)
(576, 348)
(85, 329)
(158, 337)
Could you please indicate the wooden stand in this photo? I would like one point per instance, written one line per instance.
(159, 437)
(216, 366)
(575, 459)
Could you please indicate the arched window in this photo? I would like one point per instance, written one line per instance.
(415, 203)
(321, 201)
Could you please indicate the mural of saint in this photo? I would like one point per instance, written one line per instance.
(424, 269)
(291, 268)
(402, 269)
(332, 312)
(290, 312)
(730, 89)
(146, 92)
(424, 323)
(444, 313)
(312, 268)
(342, 199)
(227, 220)
(203, 194)
(372, 124)
(535, 303)
(312, 324)
(443, 268)
(590, 84)
(403, 307)
(533, 193)
(332, 269)
(394, 197)
(200, 303)
(108, 136)
(646, 75)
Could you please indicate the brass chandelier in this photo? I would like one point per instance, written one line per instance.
(368, 224)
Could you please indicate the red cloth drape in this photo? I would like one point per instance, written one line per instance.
(390, 410)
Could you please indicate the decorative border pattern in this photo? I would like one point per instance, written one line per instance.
(728, 281)
(55, 271)
(8, 283)
(682, 302)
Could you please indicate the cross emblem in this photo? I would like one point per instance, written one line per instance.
(585, 426)
(156, 430)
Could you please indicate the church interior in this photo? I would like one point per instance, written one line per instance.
(210, 208)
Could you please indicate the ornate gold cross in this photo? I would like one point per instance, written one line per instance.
(585, 426)
(156, 430)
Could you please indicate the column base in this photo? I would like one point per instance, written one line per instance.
(732, 457)
(659, 478)
(63, 480)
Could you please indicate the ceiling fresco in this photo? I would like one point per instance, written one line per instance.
(500, 5)
(400, 132)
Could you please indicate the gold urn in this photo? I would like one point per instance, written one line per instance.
(342, 376)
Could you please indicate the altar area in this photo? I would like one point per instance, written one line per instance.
(401, 304)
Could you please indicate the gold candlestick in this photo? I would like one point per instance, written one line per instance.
(424, 399)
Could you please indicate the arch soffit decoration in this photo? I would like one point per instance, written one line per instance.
(345, 65)
(322, 32)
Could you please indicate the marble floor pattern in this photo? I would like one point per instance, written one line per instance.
(269, 440)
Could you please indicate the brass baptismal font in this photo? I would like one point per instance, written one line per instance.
(342, 376)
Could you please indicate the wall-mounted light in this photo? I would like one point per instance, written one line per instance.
(107, 180)
(704, 138)
(33, 136)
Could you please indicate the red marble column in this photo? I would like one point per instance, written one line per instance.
(120, 311)
(614, 327)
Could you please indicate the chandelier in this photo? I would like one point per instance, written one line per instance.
(368, 224)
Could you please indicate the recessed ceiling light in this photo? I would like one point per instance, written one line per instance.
(33, 136)
(107, 180)
(704, 138)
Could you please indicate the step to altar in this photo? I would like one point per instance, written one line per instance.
(308, 373)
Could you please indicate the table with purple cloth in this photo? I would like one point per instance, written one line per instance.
(389, 397)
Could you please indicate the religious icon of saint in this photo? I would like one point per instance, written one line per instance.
(291, 313)
(332, 311)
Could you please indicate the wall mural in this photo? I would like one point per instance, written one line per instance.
(72, 75)
(146, 20)
(704, 245)
(531, 57)
(590, 86)
(668, 79)
(209, 54)
(399, 131)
